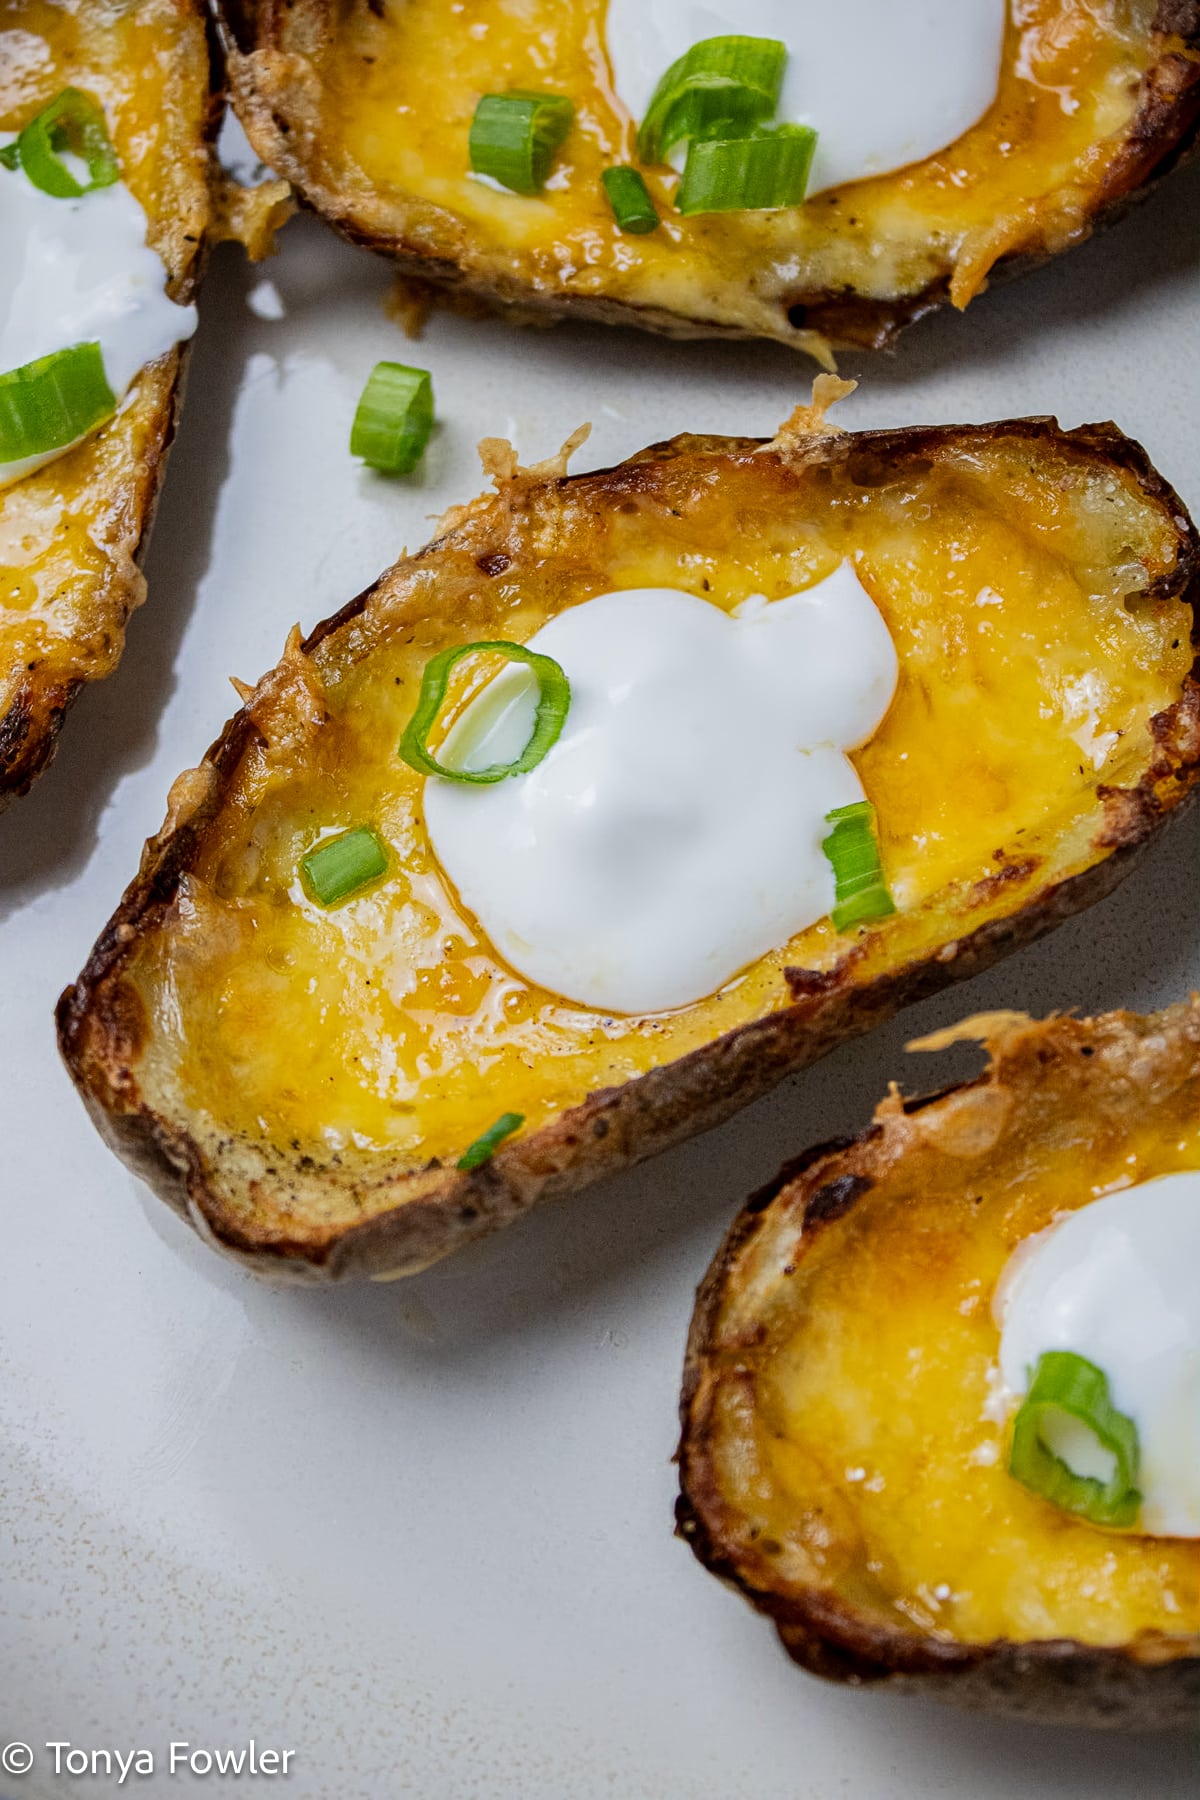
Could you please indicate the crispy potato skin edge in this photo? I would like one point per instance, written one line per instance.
(30, 727)
(1161, 135)
(1056, 1681)
(440, 1210)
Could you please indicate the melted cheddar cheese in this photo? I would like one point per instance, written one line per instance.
(876, 1432)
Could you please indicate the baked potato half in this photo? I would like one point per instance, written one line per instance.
(302, 1083)
(842, 1460)
(366, 107)
(71, 532)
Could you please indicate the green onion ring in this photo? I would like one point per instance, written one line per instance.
(1069, 1384)
(394, 419)
(514, 137)
(53, 402)
(757, 171)
(629, 197)
(554, 699)
(73, 122)
(342, 865)
(489, 1141)
(861, 893)
(726, 85)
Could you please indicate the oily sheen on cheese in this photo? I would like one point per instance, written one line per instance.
(884, 83)
(1116, 1282)
(80, 271)
(673, 834)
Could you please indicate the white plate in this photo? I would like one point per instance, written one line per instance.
(420, 1535)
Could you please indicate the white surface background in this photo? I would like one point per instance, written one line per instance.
(421, 1534)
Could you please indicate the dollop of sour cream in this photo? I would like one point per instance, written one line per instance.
(80, 271)
(1117, 1283)
(673, 833)
(884, 83)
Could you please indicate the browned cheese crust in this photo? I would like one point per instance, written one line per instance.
(1044, 1079)
(279, 52)
(408, 1218)
(73, 534)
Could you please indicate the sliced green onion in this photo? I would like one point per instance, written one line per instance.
(394, 419)
(514, 137)
(554, 699)
(726, 83)
(51, 403)
(630, 200)
(485, 1147)
(10, 155)
(73, 123)
(861, 892)
(342, 865)
(758, 173)
(1066, 1387)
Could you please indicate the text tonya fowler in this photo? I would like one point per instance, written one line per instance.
(248, 1761)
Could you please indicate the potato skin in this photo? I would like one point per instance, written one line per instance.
(119, 504)
(103, 1032)
(1150, 1683)
(811, 318)
(34, 717)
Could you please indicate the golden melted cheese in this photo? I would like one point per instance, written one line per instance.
(885, 1473)
(69, 533)
(1008, 574)
(382, 100)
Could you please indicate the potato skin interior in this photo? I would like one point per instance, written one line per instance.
(1091, 100)
(318, 1073)
(840, 1459)
(71, 532)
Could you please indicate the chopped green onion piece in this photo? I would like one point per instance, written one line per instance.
(53, 402)
(1075, 1390)
(554, 699)
(342, 865)
(758, 173)
(630, 200)
(10, 155)
(514, 137)
(394, 419)
(73, 123)
(730, 84)
(485, 1147)
(861, 892)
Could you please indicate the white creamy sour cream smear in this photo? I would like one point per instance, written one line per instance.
(1117, 1283)
(80, 271)
(673, 833)
(884, 83)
